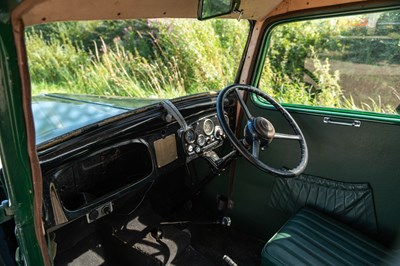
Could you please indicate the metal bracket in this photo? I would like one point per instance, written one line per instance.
(174, 112)
(6, 212)
(240, 12)
(99, 212)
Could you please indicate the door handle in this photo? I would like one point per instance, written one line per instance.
(354, 123)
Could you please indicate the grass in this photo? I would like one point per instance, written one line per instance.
(185, 57)
(170, 58)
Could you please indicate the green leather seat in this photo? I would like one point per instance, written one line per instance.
(311, 238)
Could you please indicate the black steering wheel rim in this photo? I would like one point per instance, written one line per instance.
(287, 173)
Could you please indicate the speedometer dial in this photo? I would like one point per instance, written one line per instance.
(190, 136)
(208, 127)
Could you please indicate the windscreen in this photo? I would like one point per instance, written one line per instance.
(153, 58)
(84, 72)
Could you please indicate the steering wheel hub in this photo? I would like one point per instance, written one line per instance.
(264, 128)
(259, 129)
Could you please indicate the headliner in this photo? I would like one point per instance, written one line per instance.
(44, 11)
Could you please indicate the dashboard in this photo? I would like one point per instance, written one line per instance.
(202, 136)
(88, 180)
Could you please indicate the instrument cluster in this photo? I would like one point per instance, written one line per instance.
(204, 135)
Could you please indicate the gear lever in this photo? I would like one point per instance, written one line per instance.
(158, 233)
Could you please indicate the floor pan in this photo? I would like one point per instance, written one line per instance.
(128, 240)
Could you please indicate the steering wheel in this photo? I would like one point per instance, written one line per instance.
(260, 132)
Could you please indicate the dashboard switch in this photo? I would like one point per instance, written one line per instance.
(99, 212)
(190, 148)
(93, 215)
(218, 133)
(106, 210)
(197, 149)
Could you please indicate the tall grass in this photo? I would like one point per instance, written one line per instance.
(169, 58)
(180, 57)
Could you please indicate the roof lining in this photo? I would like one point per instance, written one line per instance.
(43, 11)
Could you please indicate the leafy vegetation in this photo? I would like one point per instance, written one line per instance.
(142, 58)
(349, 62)
(340, 62)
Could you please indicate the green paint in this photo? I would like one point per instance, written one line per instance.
(327, 111)
(13, 146)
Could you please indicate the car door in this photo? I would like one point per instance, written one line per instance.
(339, 77)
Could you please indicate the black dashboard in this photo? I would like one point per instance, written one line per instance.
(87, 179)
(203, 135)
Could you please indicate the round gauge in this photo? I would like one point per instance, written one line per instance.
(201, 140)
(208, 127)
(190, 136)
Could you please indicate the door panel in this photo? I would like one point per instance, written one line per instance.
(367, 154)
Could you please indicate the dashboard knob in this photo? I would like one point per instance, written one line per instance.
(197, 149)
(93, 215)
(106, 210)
(190, 148)
(218, 133)
(168, 118)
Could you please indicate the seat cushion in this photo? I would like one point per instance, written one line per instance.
(311, 238)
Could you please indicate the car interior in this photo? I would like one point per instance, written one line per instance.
(227, 177)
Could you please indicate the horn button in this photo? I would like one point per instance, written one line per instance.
(264, 128)
(260, 128)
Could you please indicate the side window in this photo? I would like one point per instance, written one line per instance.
(350, 62)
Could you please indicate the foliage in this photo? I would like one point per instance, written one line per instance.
(291, 44)
(168, 58)
(143, 58)
(285, 89)
(363, 49)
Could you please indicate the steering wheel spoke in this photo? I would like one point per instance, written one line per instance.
(243, 106)
(287, 136)
(256, 147)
